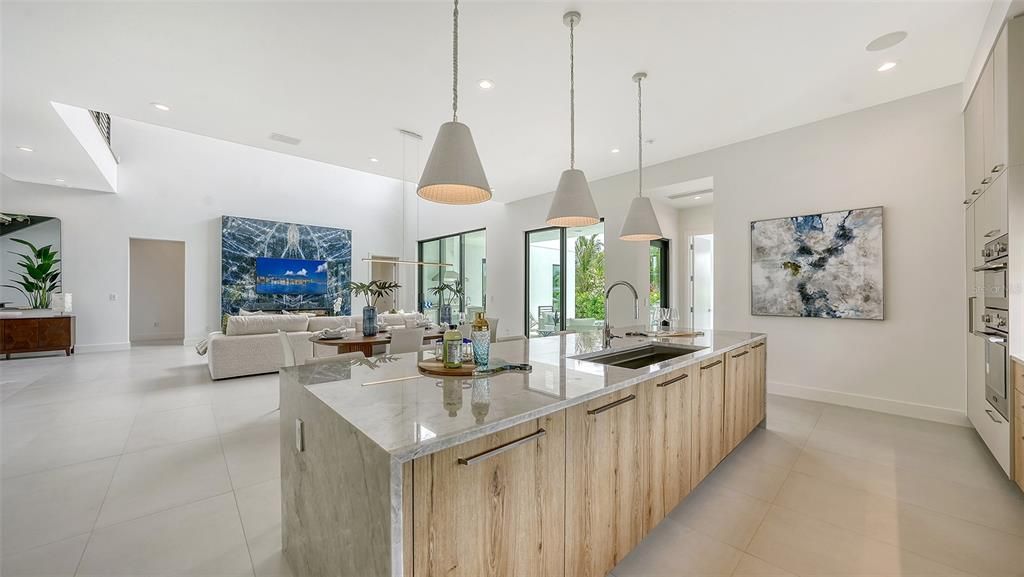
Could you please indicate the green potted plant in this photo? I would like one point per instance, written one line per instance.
(447, 294)
(41, 277)
(372, 292)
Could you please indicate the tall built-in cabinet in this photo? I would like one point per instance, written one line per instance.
(994, 206)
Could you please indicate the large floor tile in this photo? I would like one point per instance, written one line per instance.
(201, 539)
(171, 426)
(751, 566)
(253, 455)
(999, 509)
(806, 546)
(260, 507)
(158, 479)
(58, 559)
(54, 505)
(177, 396)
(66, 445)
(716, 511)
(794, 410)
(248, 412)
(771, 447)
(954, 542)
(750, 476)
(672, 550)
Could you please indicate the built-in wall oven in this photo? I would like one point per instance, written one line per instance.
(996, 321)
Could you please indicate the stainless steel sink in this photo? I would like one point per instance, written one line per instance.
(639, 357)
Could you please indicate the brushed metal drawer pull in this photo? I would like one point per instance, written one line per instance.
(998, 168)
(611, 405)
(502, 448)
(976, 192)
(738, 355)
(992, 233)
(714, 364)
(991, 416)
(968, 201)
(986, 180)
(673, 381)
(758, 345)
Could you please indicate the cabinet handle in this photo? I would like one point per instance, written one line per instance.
(672, 382)
(998, 168)
(992, 233)
(758, 345)
(738, 355)
(716, 363)
(976, 192)
(968, 201)
(992, 416)
(986, 180)
(611, 405)
(502, 448)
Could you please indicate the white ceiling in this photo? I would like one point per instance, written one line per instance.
(344, 77)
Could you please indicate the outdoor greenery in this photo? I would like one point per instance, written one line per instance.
(655, 291)
(374, 290)
(589, 277)
(41, 277)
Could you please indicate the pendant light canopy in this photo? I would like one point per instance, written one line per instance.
(573, 205)
(453, 173)
(641, 223)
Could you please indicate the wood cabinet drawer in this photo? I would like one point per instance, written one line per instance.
(21, 335)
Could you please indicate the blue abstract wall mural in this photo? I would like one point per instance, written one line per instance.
(243, 240)
(826, 265)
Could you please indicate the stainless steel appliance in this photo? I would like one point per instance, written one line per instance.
(996, 321)
(996, 255)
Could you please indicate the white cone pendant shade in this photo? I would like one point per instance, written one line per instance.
(573, 205)
(641, 223)
(454, 174)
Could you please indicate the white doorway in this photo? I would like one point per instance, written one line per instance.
(702, 281)
(156, 299)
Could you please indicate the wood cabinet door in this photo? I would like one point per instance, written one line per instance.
(708, 419)
(493, 506)
(55, 333)
(605, 478)
(21, 335)
(667, 406)
(1018, 438)
(739, 401)
(759, 366)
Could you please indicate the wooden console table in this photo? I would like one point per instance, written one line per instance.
(34, 332)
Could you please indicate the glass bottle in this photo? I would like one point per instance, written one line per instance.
(481, 337)
(452, 348)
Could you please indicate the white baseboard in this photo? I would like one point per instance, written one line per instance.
(102, 348)
(893, 407)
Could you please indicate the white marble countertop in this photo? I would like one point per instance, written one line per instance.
(416, 416)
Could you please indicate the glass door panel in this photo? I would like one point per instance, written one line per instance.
(544, 279)
(584, 281)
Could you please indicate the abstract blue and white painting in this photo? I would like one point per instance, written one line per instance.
(826, 265)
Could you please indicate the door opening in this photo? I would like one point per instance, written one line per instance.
(156, 298)
(702, 279)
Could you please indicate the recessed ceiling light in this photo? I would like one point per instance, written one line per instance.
(161, 107)
(58, 180)
(615, 151)
(486, 84)
(26, 148)
(374, 159)
(886, 41)
(696, 198)
(887, 66)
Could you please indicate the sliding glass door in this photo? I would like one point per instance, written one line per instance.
(564, 279)
(466, 255)
(660, 274)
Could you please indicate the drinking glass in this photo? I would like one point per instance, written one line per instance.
(674, 314)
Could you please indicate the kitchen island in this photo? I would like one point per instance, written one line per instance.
(560, 471)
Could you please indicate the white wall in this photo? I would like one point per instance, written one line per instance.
(175, 185)
(156, 301)
(907, 156)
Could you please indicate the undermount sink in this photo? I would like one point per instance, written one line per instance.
(639, 357)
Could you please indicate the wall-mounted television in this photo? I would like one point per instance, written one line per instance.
(290, 276)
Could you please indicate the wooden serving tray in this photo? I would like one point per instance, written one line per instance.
(435, 367)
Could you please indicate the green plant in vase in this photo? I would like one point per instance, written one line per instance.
(41, 277)
(447, 294)
(372, 292)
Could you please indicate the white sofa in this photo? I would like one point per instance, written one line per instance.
(250, 346)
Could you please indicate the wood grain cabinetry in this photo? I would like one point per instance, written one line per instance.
(1017, 410)
(493, 506)
(740, 401)
(667, 406)
(605, 483)
(708, 419)
(37, 334)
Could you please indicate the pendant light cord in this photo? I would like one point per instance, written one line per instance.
(572, 94)
(455, 63)
(640, 134)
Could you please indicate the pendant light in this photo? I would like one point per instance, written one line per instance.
(453, 173)
(641, 223)
(573, 205)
